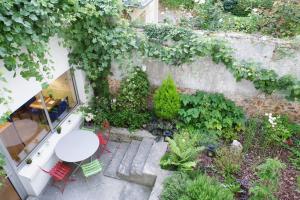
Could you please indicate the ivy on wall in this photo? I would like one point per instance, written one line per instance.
(96, 34)
(177, 46)
(92, 29)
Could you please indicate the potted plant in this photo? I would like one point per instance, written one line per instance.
(58, 130)
(28, 161)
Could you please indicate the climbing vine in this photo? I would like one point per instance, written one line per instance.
(177, 46)
(92, 29)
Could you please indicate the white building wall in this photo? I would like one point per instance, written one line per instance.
(22, 90)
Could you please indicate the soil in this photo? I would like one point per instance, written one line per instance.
(288, 189)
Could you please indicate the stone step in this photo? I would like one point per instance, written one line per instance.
(113, 166)
(125, 165)
(136, 170)
(133, 191)
(141, 157)
(152, 166)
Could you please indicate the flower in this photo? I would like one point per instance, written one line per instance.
(199, 1)
(89, 117)
(271, 119)
(144, 68)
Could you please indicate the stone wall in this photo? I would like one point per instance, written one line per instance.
(203, 74)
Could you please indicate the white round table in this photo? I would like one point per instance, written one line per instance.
(77, 146)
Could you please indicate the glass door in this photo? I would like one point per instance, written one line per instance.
(8, 192)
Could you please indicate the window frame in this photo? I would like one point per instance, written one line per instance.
(52, 128)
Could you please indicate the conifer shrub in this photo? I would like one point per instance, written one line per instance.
(167, 100)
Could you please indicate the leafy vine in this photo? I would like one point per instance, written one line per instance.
(176, 46)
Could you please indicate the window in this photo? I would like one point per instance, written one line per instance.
(60, 97)
(29, 125)
(26, 127)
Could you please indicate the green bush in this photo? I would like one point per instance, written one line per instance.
(99, 107)
(207, 188)
(167, 100)
(228, 162)
(130, 108)
(194, 187)
(134, 91)
(267, 184)
(183, 152)
(276, 130)
(129, 118)
(188, 4)
(283, 20)
(252, 127)
(212, 113)
(175, 186)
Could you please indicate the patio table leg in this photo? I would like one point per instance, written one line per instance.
(78, 166)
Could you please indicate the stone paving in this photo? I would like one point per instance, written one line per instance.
(98, 187)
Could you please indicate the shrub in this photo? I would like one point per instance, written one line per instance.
(134, 91)
(189, 4)
(99, 108)
(204, 187)
(276, 130)
(130, 108)
(228, 162)
(212, 113)
(252, 127)
(267, 185)
(129, 118)
(175, 186)
(185, 187)
(283, 20)
(167, 100)
(183, 152)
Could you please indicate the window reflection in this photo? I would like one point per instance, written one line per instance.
(60, 97)
(25, 128)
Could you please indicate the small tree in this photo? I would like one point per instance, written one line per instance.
(167, 100)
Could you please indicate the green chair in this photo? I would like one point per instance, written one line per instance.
(91, 168)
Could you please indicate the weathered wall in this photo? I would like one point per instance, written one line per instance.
(205, 75)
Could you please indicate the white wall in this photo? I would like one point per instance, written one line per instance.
(22, 90)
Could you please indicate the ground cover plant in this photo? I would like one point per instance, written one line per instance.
(212, 113)
(194, 187)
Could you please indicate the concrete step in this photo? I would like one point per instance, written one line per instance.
(123, 135)
(125, 165)
(141, 157)
(133, 191)
(113, 166)
(152, 168)
(136, 170)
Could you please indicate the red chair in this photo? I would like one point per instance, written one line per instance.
(60, 173)
(104, 138)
